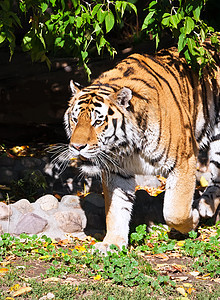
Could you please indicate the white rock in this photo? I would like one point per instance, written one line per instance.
(5, 211)
(48, 202)
(71, 221)
(23, 205)
(71, 200)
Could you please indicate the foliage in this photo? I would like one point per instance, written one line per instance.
(28, 186)
(183, 19)
(57, 25)
(106, 275)
(76, 27)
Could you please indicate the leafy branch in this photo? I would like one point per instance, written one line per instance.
(58, 26)
(184, 21)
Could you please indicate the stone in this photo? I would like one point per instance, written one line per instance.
(23, 205)
(95, 199)
(30, 224)
(48, 202)
(71, 200)
(5, 211)
(71, 221)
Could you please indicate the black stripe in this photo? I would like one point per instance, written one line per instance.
(128, 72)
(215, 138)
(144, 81)
(216, 163)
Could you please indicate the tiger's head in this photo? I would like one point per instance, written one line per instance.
(95, 122)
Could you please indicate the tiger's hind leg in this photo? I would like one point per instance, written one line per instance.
(210, 199)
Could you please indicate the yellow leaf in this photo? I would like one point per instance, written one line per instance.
(9, 298)
(203, 182)
(15, 287)
(97, 277)
(188, 285)
(81, 248)
(22, 290)
(44, 257)
(180, 243)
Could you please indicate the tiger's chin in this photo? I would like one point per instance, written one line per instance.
(89, 169)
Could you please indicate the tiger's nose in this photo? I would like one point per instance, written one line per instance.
(78, 146)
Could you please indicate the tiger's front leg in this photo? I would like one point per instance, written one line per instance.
(119, 198)
(178, 211)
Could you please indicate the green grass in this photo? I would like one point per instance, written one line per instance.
(144, 271)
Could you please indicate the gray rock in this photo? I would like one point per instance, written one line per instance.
(30, 224)
(71, 200)
(71, 221)
(23, 205)
(95, 199)
(48, 202)
(5, 211)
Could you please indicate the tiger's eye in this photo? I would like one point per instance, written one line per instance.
(97, 122)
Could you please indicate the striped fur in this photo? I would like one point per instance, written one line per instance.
(148, 115)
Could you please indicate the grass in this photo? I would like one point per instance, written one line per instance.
(154, 267)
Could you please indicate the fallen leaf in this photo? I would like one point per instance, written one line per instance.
(51, 279)
(194, 273)
(22, 290)
(15, 287)
(161, 256)
(187, 284)
(179, 278)
(203, 182)
(180, 243)
(97, 277)
(3, 271)
(178, 267)
(181, 290)
(217, 280)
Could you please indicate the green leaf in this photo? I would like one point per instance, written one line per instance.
(166, 19)
(191, 45)
(189, 25)
(79, 22)
(44, 6)
(2, 37)
(147, 20)
(101, 15)
(95, 9)
(109, 21)
(196, 13)
(174, 20)
(182, 42)
(203, 36)
(97, 28)
(133, 7)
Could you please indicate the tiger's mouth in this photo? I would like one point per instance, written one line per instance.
(83, 158)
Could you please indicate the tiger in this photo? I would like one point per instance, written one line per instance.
(150, 114)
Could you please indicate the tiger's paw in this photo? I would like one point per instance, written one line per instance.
(104, 248)
(207, 207)
(110, 246)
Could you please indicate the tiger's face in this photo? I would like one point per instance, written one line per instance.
(95, 122)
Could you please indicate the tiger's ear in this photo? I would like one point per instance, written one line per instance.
(74, 88)
(124, 96)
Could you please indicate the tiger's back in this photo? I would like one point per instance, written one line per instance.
(148, 115)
